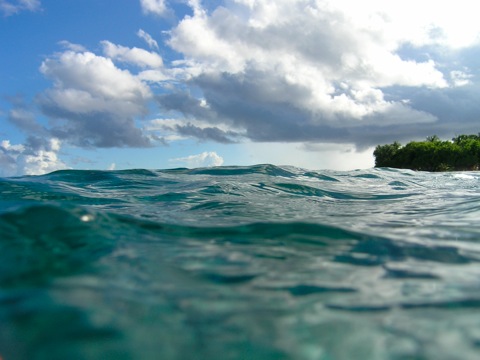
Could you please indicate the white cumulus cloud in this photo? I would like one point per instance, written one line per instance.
(156, 7)
(135, 56)
(11, 7)
(36, 157)
(205, 159)
(95, 101)
(95, 75)
(148, 39)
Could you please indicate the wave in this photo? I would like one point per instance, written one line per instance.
(239, 262)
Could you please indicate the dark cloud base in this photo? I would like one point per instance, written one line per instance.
(236, 101)
(94, 129)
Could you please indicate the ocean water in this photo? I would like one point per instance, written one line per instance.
(258, 262)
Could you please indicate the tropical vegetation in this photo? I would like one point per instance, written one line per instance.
(459, 154)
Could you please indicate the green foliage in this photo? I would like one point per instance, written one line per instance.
(462, 153)
(433, 138)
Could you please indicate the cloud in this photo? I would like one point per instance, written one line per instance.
(286, 71)
(37, 156)
(14, 7)
(8, 158)
(309, 156)
(71, 46)
(94, 102)
(25, 120)
(148, 39)
(134, 56)
(153, 76)
(156, 7)
(206, 133)
(319, 71)
(205, 159)
(240, 107)
(460, 78)
(178, 129)
(95, 75)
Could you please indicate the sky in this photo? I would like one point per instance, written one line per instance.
(104, 84)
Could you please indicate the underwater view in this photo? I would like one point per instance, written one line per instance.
(259, 262)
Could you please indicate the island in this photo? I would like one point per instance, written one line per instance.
(462, 153)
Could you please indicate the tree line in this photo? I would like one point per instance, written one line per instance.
(459, 154)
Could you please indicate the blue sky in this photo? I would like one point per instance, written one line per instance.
(97, 84)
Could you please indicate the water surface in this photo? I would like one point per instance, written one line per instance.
(258, 262)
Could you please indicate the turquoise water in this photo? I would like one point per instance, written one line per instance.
(258, 262)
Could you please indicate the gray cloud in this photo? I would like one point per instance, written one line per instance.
(25, 120)
(183, 102)
(239, 100)
(208, 133)
(8, 162)
(93, 129)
